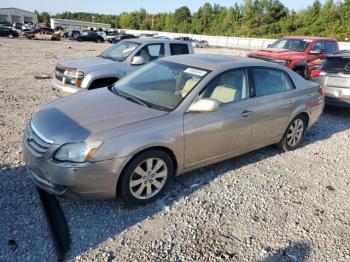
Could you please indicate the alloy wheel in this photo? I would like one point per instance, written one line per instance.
(148, 178)
(295, 132)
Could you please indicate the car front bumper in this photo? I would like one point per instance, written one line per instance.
(64, 90)
(97, 180)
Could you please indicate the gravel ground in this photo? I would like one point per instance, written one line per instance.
(263, 206)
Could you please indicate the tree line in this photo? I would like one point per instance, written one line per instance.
(253, 18)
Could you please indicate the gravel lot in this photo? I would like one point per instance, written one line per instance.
(263, 206)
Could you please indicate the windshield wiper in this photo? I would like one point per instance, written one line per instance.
(129, 97)
(137, 100)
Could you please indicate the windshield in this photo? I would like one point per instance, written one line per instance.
(298, 45)
(160, 84)
(120, 51)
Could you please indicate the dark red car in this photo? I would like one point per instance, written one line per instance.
(299, 53)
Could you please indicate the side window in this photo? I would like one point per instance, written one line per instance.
(151, 52)
(330, 47)
(319, 45)
(179, 49)
(227, 87)
(270, 81)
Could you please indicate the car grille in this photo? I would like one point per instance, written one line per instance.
(36, 141)
(59, 71)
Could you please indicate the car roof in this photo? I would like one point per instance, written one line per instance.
(218, 62)
(310, 38)
(155, 40)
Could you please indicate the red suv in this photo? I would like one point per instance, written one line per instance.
(299, 53)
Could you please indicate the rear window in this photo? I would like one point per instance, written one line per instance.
(179, 49)
(336, 64)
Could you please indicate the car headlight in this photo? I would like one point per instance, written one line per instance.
(73, 77)
(77, 152)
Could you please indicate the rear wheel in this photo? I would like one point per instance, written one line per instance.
(146, 177)
(294, 134)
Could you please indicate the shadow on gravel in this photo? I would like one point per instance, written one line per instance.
(298, 252)
(93, 222)
(334, 120)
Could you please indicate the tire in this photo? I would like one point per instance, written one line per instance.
(292, 139)
(79, 40)
(146, 177)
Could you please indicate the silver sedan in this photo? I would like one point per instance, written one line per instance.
(172, 116)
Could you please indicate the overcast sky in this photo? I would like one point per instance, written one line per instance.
(116, 7)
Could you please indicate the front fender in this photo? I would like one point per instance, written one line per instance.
(90, 77)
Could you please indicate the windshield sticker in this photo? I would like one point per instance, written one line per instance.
(195, 72)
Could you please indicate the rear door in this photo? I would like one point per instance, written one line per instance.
(275, 99)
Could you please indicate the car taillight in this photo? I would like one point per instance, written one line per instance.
(316, 73)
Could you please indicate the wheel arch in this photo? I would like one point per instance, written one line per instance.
(165, 149)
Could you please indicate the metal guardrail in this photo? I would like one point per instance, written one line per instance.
(225, 41)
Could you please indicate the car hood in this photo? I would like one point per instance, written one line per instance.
(89, 115)
(277, 53)
(90, 64)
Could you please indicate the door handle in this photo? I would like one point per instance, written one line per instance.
(291, 101)
(246, 113)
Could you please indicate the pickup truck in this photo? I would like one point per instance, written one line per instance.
(117, 61)
(298, 52)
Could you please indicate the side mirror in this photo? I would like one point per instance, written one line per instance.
(204, 105)
(316, 52)
(138, 60)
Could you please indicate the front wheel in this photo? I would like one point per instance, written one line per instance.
(294, 134)
(146, 177)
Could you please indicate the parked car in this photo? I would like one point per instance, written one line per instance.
(112, 36)
(173, 115)
(121, 37)
(183, 38)
(200, 43)
(120, 59)
(103, 35)
(90, 36)
(4, 31)
(297, 52)
(72, 34)
(334, 76)
(47, 35)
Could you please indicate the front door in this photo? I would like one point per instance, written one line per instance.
(228, 130)
(148, 53)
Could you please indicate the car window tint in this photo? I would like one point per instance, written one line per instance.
(179, 49)
(151, 52)
(330, 47)
(227, 87)
(270, 81)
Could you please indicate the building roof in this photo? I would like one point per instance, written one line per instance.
(77, 22)
(9, 9)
